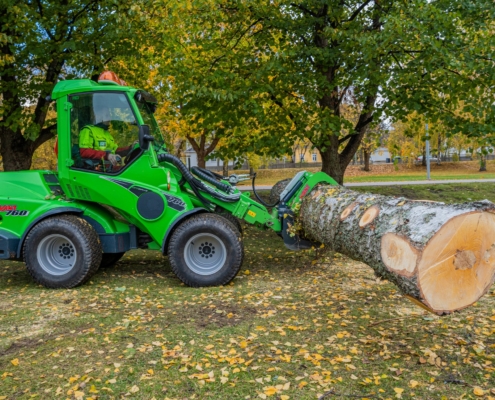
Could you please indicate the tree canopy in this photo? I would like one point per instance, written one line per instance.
(256, 76)
(286, 68)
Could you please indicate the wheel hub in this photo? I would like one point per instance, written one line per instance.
(56, 254)
(205, 254)
(206, 250)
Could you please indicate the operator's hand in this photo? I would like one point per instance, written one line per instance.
(114, 159)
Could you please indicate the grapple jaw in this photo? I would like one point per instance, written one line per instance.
(290, 199)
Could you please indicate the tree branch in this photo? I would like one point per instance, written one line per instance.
(45, 135)
(358, 10)
(304, 9)
(236, 43)
(212, 145)
(346, 137)
(193, 142)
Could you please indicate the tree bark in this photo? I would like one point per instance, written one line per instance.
(225, 168)
(440, 255)
(367, 156)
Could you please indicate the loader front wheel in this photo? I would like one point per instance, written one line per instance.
(62, 252)
(206, 250)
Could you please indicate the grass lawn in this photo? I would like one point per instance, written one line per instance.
(448, 193)
(290, 326)
(443, 172)
(421, 176)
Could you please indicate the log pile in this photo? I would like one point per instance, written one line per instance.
(440, 255)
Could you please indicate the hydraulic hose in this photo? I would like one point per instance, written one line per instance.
(196, 184)
(185, 173)
(258, 197)
(200, 173)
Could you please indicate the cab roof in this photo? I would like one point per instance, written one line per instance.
(63, 88)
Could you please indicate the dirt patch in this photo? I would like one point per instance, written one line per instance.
(23, 344)
(211, 315)
(224, 315)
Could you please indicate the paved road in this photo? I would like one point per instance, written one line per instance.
(395, 183)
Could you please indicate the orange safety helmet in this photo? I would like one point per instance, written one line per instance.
(110, 76)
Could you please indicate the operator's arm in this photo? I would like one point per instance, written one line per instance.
(123, 151)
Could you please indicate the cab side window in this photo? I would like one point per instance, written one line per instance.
(104, 131)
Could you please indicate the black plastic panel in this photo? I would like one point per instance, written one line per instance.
(150, 205)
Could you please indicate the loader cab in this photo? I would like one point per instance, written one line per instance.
(104, 131)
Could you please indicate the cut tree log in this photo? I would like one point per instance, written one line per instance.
(440, 255)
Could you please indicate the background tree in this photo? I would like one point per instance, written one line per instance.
(42, 42)
(291, 65)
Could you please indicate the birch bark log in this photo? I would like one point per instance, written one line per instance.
(440, 255)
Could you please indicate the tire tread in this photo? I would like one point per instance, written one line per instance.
(91, 247)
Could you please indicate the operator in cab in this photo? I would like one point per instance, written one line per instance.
(96, 142)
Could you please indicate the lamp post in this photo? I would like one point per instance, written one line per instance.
(427, 153)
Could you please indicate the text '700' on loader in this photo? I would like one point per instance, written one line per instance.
(117, 188)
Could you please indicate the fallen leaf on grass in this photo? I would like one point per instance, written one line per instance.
(478, 391)
(270, 390)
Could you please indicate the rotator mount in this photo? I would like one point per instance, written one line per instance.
(290, 199)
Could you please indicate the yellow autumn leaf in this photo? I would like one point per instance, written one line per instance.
(243, 344)
(134, 389)
(15, 362)
(398, 392)
(284, 397)
(413, 383)
(478, 391)
(78, 394)
(270, 390)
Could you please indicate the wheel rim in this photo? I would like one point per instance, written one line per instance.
(205, 254)
(57, 254)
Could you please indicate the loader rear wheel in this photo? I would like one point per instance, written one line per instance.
(62, 252)
(206, 250)
(110, 259)
(234, 220)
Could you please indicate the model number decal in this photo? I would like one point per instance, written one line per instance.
(175, 202)
(17, 213)
(7, 208)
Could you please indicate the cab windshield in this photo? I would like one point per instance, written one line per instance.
(146, 109)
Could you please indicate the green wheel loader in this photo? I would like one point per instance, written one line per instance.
(117, 188)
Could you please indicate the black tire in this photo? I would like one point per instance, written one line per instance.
(50, 246)
(202, 237)
(234, 220)
(110, 259)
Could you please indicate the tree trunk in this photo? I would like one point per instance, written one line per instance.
(367, 156)
(482, 163)
(440, 255)
(201, 159)
(423, 162)
(225, 169)
(17, 152)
